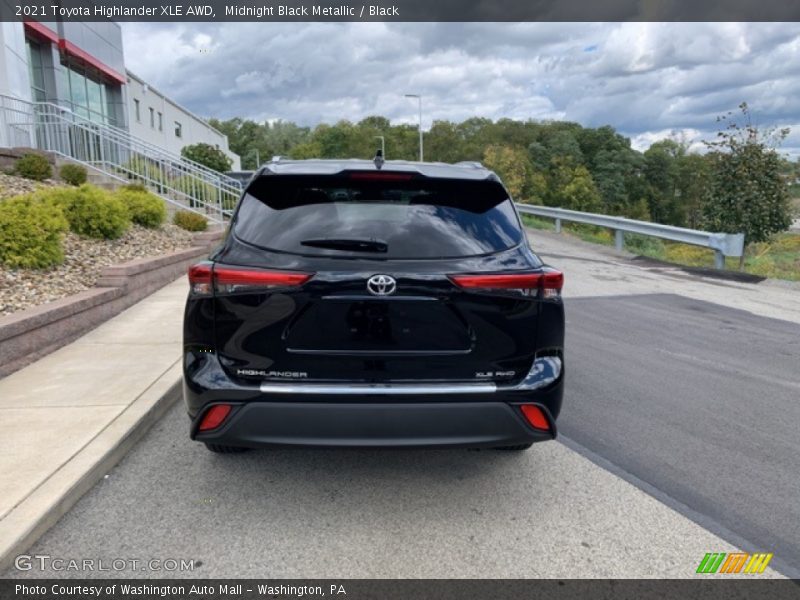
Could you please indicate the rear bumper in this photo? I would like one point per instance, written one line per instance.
(364, 415)
(401, 425)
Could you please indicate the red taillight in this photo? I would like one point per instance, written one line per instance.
(535, 417)
(549, 282)
(498, 282)
(552, 282)
(206, 279)
(214, 417)
(380, 176)
(200, 279)
(226, 276)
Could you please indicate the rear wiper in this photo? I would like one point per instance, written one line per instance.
(348, 244)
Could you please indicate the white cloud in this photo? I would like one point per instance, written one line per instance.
(642, 78)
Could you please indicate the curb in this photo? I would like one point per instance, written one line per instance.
(43, 507)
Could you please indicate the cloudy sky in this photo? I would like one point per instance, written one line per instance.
(645, 79)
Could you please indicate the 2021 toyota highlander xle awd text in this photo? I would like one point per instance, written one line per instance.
(353, 305)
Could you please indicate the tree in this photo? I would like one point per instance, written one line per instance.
(260, 141)
(539, 155)
(442, 142)
(242, 137)
(306, 150)
(208, 156)
(746, 193)
(692, 181)
(512, 166)
(615, 167)
(662, 174)
(474, 137)
(572, 187)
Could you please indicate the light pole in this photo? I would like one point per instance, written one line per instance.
(418, 97)
(383, 145)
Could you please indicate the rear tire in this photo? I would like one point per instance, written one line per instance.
(219, 449)
(517, 448)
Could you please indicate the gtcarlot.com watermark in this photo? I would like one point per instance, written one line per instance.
(45, 562)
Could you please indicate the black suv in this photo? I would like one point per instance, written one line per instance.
(354, 305)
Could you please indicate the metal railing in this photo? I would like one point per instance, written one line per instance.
(723, 244)
(117, 154)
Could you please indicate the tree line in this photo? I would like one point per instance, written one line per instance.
(741, 183)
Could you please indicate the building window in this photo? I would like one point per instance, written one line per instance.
(152, 118)
(138, 110)
(160, 122)
(89, 96)
(178, 130)
(36, 71)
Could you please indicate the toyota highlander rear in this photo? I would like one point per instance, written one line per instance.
(357, 306)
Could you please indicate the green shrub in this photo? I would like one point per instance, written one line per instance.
(30, 232)
(208, 156)
(644, 245)
(34, 166)
(145, 209)
(91, 211)
(73, 174)
(190, 221)
(135, 187)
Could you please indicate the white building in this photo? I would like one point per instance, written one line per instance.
(155, 118)
(81, 66)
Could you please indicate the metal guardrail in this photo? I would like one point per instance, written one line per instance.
(723, 244)
(118, 154)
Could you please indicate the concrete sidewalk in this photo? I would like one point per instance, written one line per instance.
(66, 419)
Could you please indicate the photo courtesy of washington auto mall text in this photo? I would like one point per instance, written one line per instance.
(399, 299)
(179, 590)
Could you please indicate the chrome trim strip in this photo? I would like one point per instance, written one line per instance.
(369, 297)
(380, 353)
(545, 370)
(385, 389)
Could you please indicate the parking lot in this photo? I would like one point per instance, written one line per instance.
(678, 437)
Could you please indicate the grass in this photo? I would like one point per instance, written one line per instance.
(779, 258)
(535, 222)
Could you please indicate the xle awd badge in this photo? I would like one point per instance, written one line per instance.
(381, 285)
(495, 374)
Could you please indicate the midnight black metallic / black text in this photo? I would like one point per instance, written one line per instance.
(283, 10)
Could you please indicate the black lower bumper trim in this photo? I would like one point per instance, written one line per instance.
(403, 425)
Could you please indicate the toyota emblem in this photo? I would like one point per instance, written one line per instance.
(381, 285)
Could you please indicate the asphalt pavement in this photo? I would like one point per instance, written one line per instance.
(696, 399)
(680, 438)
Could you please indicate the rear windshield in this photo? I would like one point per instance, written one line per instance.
(354, 215)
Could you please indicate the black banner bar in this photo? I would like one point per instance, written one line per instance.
(741, 588)
(400, 10)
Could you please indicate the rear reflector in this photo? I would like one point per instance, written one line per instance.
(205, 279)
(214, 417)
(535, 417)
(548, 281)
